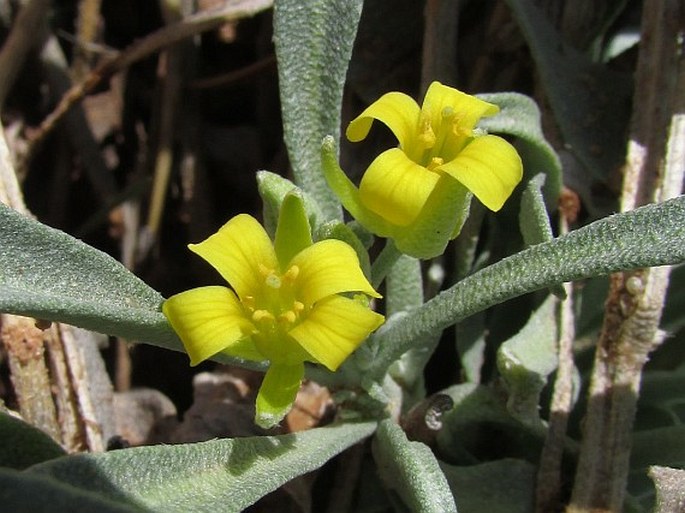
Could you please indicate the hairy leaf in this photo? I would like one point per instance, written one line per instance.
(313, 41)
(47, 274)
(23, 493)
(670, 486)
(411, 470)
(519, 116)
(527, 359)
(219, 475)
(24, 445)
(649, 236)
(501, 486)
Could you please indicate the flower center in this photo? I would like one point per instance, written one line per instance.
(275, 308)
(444, 143)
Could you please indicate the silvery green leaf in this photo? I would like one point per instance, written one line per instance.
(220, 475)
(649, 236)
(411, 470)
(500, 486)
(313, 40)
(527, 359)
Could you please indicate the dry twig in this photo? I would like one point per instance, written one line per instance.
(654, 171)
(162, 38)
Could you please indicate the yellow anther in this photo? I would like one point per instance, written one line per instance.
(435, 162)
(298, 307)
(264, 270)
(426, 134)
(458, 127)
(461, 131)
(262, 315)
(288, 317)
(291, 274)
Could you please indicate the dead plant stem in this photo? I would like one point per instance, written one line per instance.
(653, 172)
(439, 59)
(549, 478)
(24, 36)
(164, 37)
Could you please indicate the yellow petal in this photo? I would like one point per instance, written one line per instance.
(334, 328)
(277, 393)
(210, 320)
(240, 250)
(397, 111)
(467, 109)
(396, 188)
(489, 167)
(329, 267)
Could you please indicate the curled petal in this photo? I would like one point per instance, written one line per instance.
(210, 320)
(240, 251)
(467, 109)
(395, 187)
(334, 328)
(489, 167)
(329, 267)
(397, 111)
(277, 393)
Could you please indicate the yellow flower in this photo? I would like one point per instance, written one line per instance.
(285, 305)
(418, 193)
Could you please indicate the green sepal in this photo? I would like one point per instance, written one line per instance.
(293, 233)
(277, 393)
(273, 189)
(347, 192)
(439, 222)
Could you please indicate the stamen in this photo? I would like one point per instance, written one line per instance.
(288, 317)
(298, 307)
(291, 274)
(435, 162)
(261, 315)
(458, 128)
(264, 270)
(426, 134)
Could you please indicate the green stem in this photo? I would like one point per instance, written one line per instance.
(383, 263)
